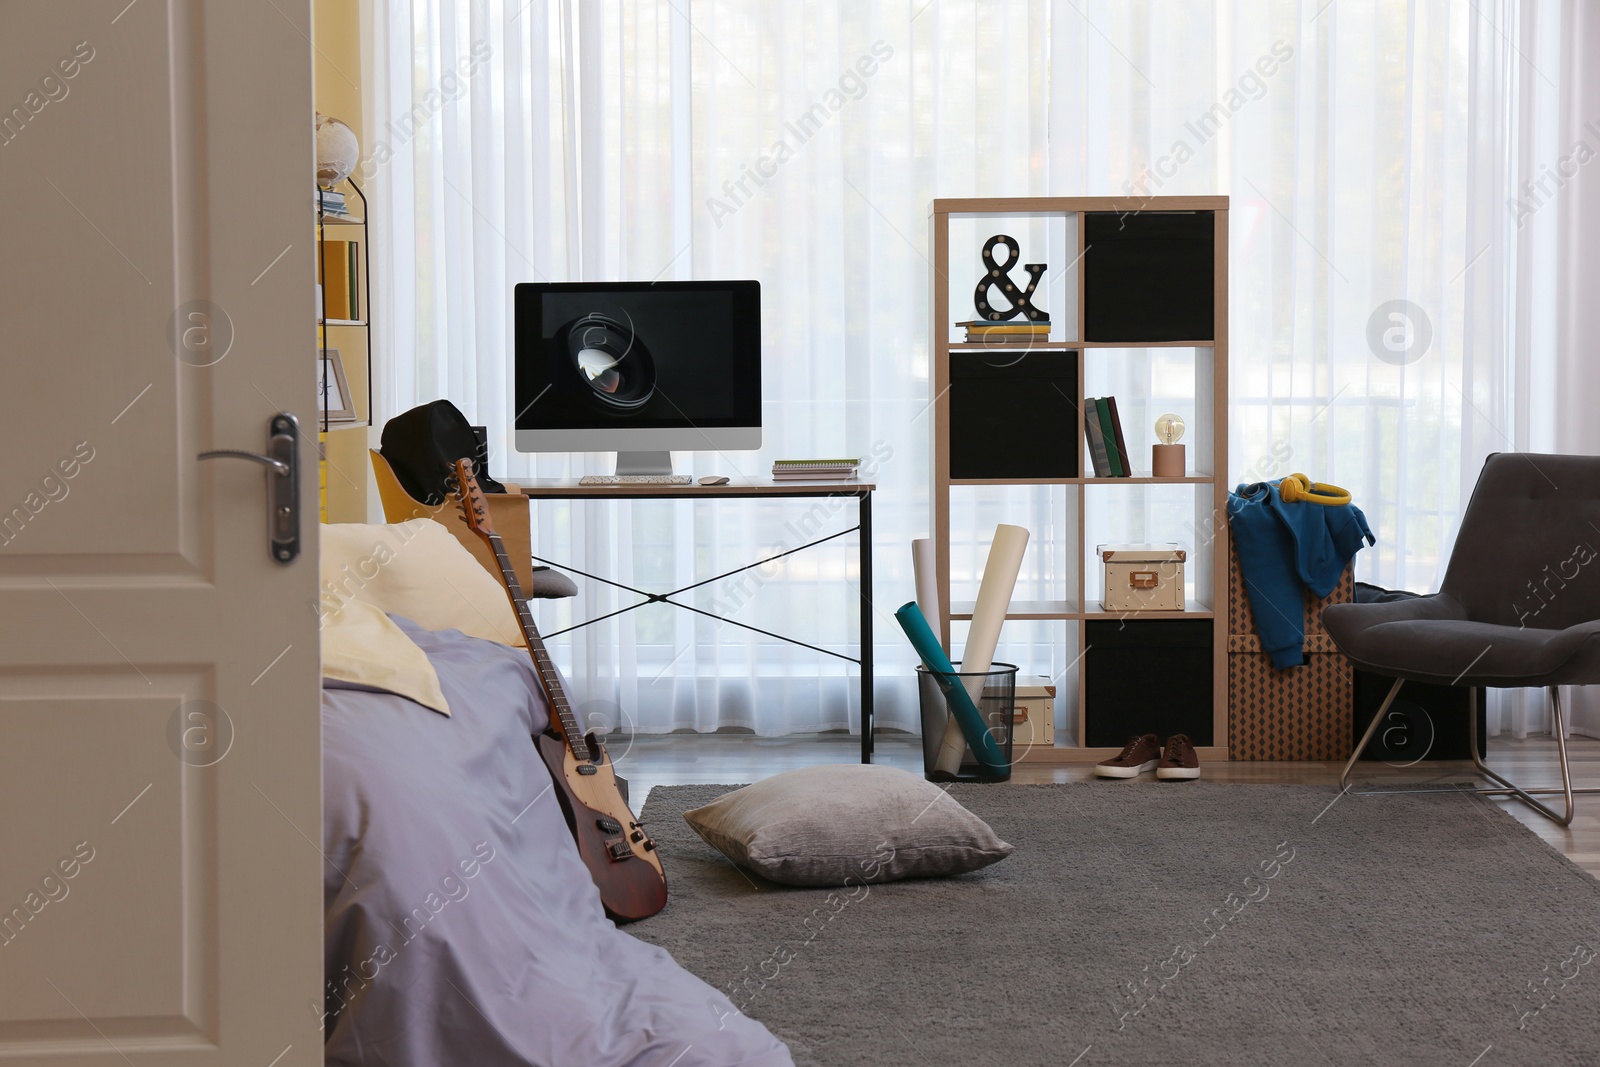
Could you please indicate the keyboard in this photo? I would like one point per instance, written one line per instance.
(636, 479)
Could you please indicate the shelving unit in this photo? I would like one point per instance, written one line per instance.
(1068, 297)
(356, 227)
(358, 373)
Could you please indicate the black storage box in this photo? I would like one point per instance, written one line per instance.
(1425, 722)
(1014, 413)
(1148, 676)
(1148, 276)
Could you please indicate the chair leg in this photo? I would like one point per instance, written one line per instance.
(1506, 787)
(1558, 725)
(1372, 728)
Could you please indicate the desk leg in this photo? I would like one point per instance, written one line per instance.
(865, 513)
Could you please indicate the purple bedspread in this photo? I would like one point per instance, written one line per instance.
(461, 926)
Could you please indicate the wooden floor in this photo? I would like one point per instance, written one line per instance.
(650, 760)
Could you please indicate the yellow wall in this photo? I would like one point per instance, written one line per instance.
(336, 29)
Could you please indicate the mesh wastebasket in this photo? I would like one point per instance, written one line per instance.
(997, 689)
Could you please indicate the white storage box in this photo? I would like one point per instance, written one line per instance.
(1142, 577)
(1034, 721)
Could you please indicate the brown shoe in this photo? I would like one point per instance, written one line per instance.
(1137, 756)
(1179, 760)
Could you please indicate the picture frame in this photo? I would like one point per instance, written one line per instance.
(335, 401)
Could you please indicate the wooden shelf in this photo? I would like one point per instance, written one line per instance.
(1058, 753)
(1025, 609)
(1071, 205)
(1192, 609)
(1150, 479)
(979, 346)
(1146, 344)
(1014, 481)
(1072, 610)
(1085, 502)
(1020, 349)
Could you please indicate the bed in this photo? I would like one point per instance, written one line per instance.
(461, 926)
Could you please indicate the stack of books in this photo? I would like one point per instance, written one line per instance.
(333, 203)
(814, 470)
(1103, 428)
(1014, 332)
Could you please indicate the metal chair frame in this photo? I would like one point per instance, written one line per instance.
(1506, 787)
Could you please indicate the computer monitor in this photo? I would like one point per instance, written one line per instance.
(638, 368)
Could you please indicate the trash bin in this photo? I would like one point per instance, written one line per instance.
(996, 706)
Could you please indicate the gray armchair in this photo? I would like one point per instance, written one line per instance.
(1519, 605)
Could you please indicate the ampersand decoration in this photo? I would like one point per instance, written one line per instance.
(998, 275)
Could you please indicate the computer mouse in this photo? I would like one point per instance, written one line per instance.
(714, 479)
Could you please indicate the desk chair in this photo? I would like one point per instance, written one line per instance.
(508, 512)
(1519, 606)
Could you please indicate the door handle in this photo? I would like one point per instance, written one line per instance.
(283, 483)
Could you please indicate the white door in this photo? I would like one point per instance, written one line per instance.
(160, 797)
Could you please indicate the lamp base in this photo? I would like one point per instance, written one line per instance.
(1167, 461)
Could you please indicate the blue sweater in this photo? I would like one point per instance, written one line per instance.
(1284, 549)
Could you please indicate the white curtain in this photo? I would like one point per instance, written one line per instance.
(1374, 153)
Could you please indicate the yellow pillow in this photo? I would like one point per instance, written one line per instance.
(361, 645)
(416, 569)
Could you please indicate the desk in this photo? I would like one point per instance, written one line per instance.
(553, 489)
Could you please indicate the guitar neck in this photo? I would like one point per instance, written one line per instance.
(571, 731)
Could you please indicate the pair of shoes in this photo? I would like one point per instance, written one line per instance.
(1141, 754)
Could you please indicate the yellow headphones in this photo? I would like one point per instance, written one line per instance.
(1298, 487)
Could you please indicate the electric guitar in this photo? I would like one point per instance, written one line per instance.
(619, 854)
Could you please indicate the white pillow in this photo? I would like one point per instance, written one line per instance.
(361, 644)
(416, 569)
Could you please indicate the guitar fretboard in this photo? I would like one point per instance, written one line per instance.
(571, 731)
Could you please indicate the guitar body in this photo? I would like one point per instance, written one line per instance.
(620, 857)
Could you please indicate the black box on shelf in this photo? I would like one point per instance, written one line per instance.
(1425, 722)
(1148, 276)
(1147, 676)
(1014, 413)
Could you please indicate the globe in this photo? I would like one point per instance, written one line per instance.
(338, 151)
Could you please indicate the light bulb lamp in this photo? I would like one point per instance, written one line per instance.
(1167, 459)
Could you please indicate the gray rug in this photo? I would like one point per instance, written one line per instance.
(1191, 923)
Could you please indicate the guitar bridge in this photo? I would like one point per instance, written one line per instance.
(618, 849)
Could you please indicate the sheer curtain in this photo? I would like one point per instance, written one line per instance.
(1374, 155)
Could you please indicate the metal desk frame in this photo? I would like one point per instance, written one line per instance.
(545, 489)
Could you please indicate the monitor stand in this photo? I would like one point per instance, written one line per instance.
(644, 463)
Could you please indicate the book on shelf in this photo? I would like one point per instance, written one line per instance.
(1122, 445)
(1096, 438)
(337, 271)
(1108, 431)
(1012, 332)
(1007, 341)
(1004, 326)
(332, 203)
(817, 476)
